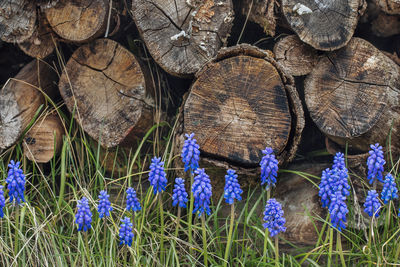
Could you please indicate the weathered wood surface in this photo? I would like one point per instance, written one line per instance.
(353, 96)
(44, 140)
(385, 25)
(242, 102)
(295, 56)
(389, 6)
(21, 97)
(104, 86)
(261, 12)
(41, 43)
(79, 21)
(324, 24)
(182, 35)
(17, 20)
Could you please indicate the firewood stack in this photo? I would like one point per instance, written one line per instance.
(331, 65)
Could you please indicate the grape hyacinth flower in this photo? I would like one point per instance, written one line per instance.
(273, 217)
(372, 205)
(157, 176)
(2, 202)
(339, 162)
(232, 189)
(375, 163)
(179, 196)
(338, 211)
(389, 191)
(83, 215)
(104, 207)
(126, 232)
(132, 202)
(331, 182)
(202, 192)
(190, 153)
(269, 168)
(16, 182)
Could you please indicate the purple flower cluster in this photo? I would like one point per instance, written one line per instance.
(132, 202)
(375, 163)
(126, 232)
(372, 205)
(157, 176)
(202, 192)
(273, 217)
(269, 168)
(389, 191)
(2, 202)
(232, 189)
(190, 153)
(179, 196)
(338, 210)
(16, 182)
(104, 206)
(83, 215)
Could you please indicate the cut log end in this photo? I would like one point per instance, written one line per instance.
(389, 6)
(325, 25)
(240, 103)
(295, 56)
(17, 20)
(104, 85)
(44, 139)
(78, 21)
(183, 35)
(352, 95)
(20, 99)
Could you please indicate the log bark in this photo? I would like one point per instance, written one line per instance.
(241, 102)
(106, 89)
(262, 13)
(295, 56)
(44, 139)
(183, 35)
(324, 24)
(385, 25)
(21, 98)
(41, 43)
(353, 96)
(79, 21)
(389, 6)
(17, 20)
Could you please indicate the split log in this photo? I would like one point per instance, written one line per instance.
(385, 25)
(41, 43)
(17, 20)
(106, 89)
(260, 12)
(389, 6)
(295, 56)
(183, 35)
(79, 21)
(325, 25)
(241, 102)
(353, 96)
(44, 139)
(21, 98)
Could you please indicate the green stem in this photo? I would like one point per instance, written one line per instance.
(276, 251)
(228, 245)
(387, 222)
(203, 226)
(63, 174)
(178, 220)
(265, 246)
(330, 247)
(87, 249)
(370, 242)
(190, 218)
(339, 248)
(161, 229)
(125, 256)
(105, 237)
(397, 252)
(16, 230)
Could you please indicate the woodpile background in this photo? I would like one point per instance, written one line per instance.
(298, 76)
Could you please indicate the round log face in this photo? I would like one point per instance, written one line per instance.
(182, 35)
(78, 21)
(295, 56)
(105, 82)
(17, 20)
(236, 107)
(349, 91)
(323, 24)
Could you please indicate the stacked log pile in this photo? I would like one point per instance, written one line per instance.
(331, 65)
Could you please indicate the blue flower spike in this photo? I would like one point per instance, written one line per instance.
(179, 196)
(273, 217)
(83, 215)
(132, 202)
(232, 189)
(157, 176)
(389, 191)
(375, 163)
(339, 161)
(202, 192)
(15, 182)
(325, 187)
(126, 232)
(104, 206)
(190, 153)
(2, 202)
(269, 168)
(338, 211)
(372, 205)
